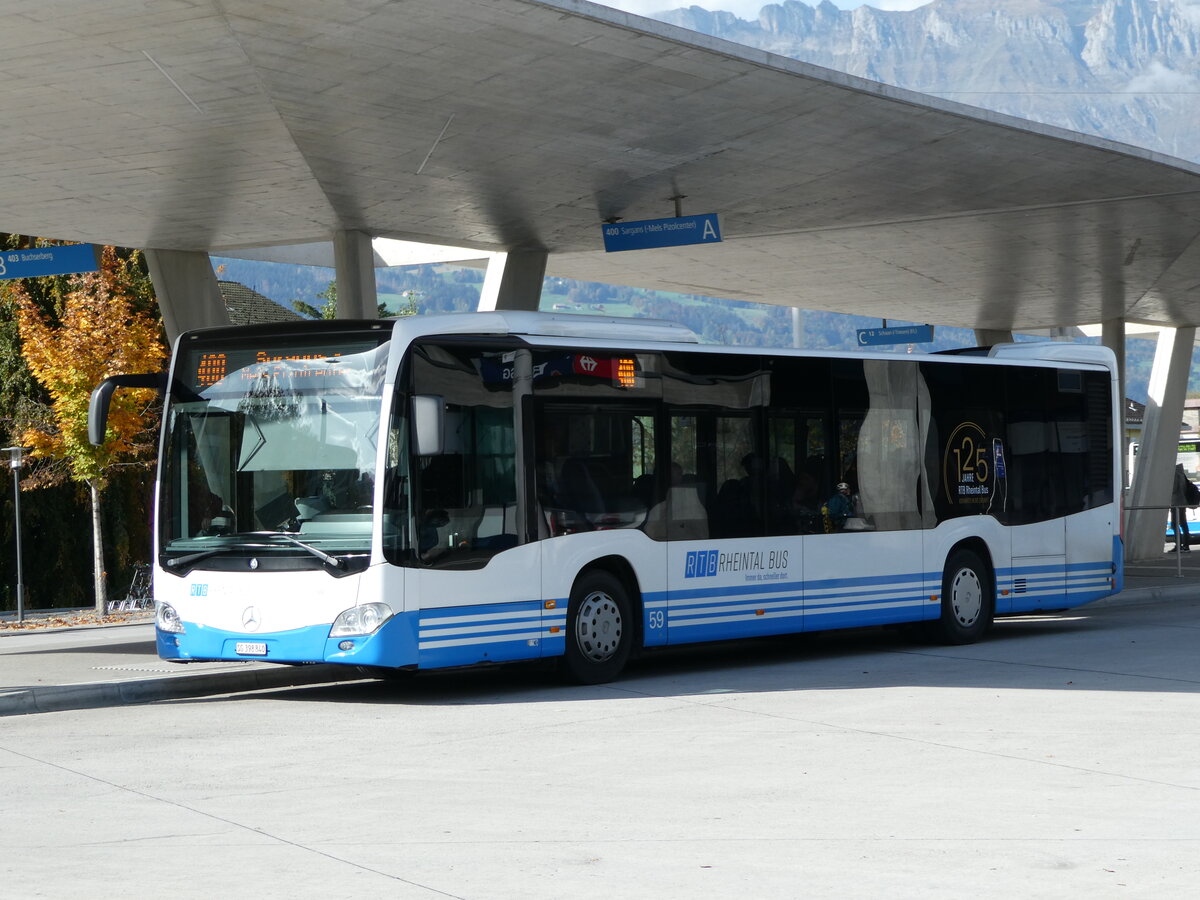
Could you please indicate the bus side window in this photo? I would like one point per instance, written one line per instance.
(741, 472)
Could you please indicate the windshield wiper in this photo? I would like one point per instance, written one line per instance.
(177, 561)
(319, 554)
(324, 557)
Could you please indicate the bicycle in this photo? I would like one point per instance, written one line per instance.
(140, 595)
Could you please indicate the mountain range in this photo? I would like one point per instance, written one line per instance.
(1126, 70)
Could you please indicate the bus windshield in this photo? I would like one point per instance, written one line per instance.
(273, 437)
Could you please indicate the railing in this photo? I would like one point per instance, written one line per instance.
(1178, 544)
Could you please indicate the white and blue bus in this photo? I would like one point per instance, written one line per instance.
(1188, 455)
(451, 490)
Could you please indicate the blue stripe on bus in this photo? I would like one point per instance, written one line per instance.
(496, 632)
(1058, 586)
(756, 608)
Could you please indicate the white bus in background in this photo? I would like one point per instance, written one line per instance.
(452, 490)
(1189, 455)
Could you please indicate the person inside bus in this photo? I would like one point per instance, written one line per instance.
(1179, 502)
(208, 513)
(806, 507)
(218, 518)
(781, 488)
(738, 501)
(429, 543)
(840, 507)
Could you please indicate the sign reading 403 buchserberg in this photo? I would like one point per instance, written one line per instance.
(650, 233)
(35, 262)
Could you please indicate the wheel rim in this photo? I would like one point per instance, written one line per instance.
(599, 627)
(966, 596)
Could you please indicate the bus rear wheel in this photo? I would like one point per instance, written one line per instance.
(967, 601)
(599, 629)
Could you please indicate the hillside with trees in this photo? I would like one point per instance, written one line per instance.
(445, 288)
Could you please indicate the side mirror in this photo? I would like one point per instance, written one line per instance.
(429, 424)
(102, 398)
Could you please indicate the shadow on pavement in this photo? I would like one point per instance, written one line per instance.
(1069, 652)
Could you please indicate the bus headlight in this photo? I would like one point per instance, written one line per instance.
(167, 619)
(364, 619)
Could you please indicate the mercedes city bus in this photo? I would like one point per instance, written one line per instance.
(450, 490)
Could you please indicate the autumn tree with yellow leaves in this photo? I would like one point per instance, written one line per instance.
(99, 332)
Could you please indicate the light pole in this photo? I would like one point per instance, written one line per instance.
(16, 459)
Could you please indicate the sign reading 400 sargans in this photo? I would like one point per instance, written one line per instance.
(650, 233)
(35, 262)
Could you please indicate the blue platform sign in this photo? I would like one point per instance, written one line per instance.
(35, 262)
(650, 233)
(907, 334)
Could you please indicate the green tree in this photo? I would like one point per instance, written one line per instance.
(100, 328)
(328, 309)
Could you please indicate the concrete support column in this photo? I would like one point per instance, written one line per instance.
(354, 263)
(1160, 441)
(513, 281)
(186, 287)
(988, 337)
(797, 327)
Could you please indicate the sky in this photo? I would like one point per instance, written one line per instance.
(744, 9)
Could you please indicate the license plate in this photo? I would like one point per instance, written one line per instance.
(251, 648)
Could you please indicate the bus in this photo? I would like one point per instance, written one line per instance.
(452, 490)
(1187, 454)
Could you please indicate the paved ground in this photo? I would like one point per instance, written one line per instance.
(1057, 759)
(79, 667)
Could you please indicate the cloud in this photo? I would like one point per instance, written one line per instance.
(1158, 79)
(1189, 9)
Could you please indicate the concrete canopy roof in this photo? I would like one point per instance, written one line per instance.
(514, 124)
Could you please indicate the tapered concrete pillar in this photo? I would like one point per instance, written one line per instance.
(513, 281)
(989, 337)
(1152, 476)
(187, 291)
(354, 263)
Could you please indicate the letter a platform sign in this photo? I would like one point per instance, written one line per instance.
(649, 234)
(35, 262)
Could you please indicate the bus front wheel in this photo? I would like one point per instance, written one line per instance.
(967, 602)
(600, 629)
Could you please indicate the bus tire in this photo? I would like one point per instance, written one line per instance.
(967, 601)
(599, 628)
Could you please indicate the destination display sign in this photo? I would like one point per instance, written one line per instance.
(35, 262)
(621, 371)
(649, 234)
(235, 364)
(907, 334)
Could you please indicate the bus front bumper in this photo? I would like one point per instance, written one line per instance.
(392, 645)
